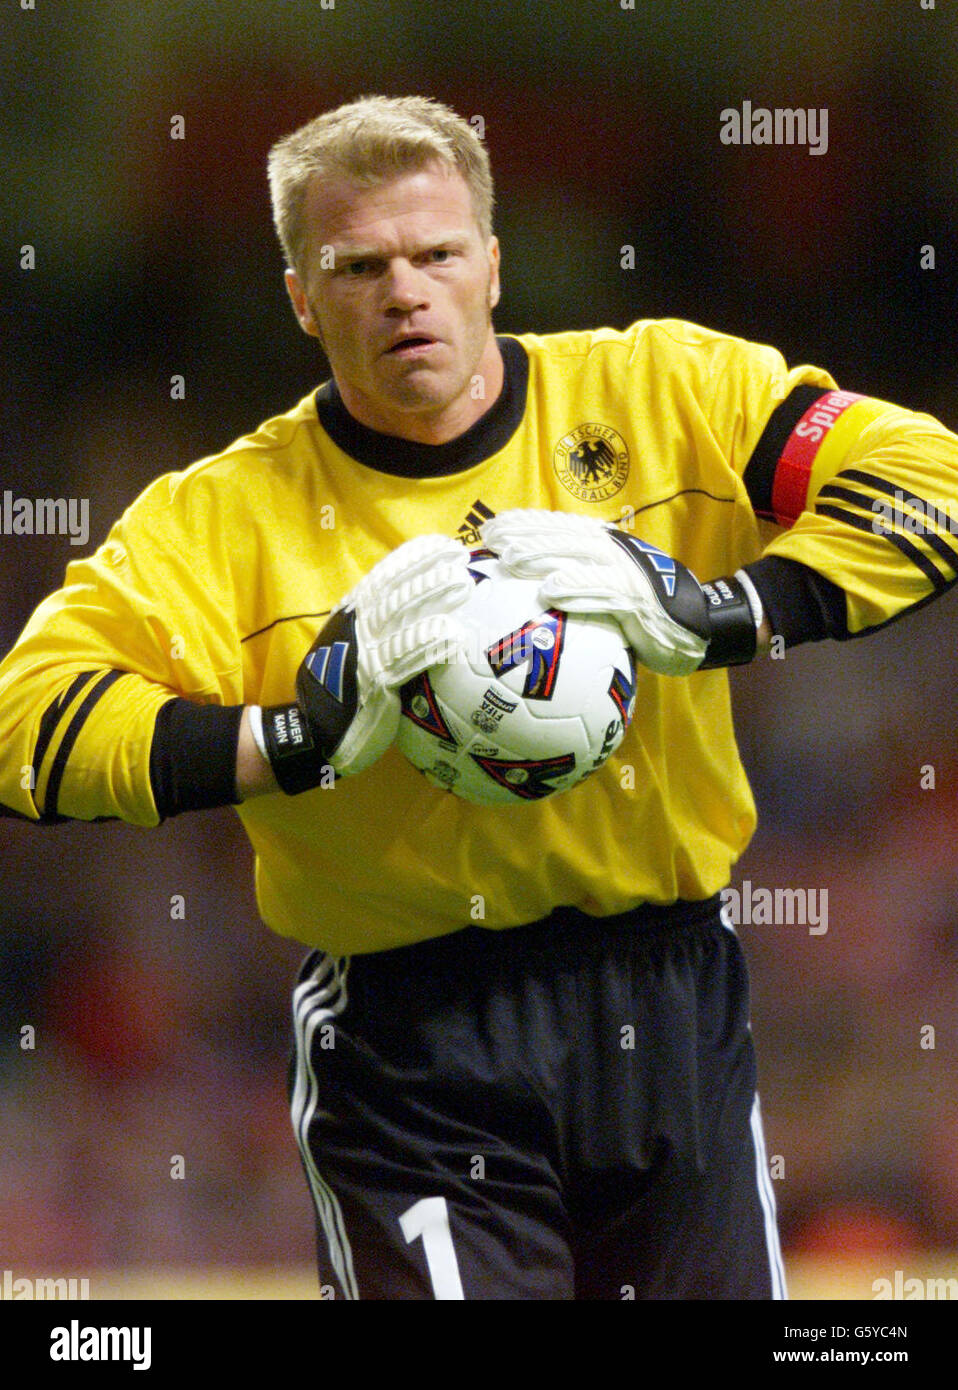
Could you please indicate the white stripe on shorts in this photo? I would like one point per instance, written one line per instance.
(315, 1001)
(767, 1198)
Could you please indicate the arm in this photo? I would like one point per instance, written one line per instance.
(167, 753)
(149, 617)
(254, 775)
(856, 495)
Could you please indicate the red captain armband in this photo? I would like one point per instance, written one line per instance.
(778, 473)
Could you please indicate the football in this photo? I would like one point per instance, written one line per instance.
(537, 702)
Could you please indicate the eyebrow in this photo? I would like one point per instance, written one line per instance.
(357, 252)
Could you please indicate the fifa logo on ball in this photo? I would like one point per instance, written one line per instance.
(489, 714)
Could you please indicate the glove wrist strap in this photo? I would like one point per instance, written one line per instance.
(298, 763)
(732, 619)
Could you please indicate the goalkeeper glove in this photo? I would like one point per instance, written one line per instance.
(396, 622)
(674, 624)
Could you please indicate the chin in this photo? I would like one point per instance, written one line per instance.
(423, 397)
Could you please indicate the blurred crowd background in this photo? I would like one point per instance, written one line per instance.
(159, 1035)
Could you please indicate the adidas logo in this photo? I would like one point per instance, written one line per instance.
(468, 532)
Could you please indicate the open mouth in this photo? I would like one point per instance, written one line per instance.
(410, 345)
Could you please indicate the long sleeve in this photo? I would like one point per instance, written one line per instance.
(862, 492)
(148, 617)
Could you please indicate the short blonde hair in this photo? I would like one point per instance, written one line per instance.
(367, 142)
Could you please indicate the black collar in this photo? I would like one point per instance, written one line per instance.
(405, 458)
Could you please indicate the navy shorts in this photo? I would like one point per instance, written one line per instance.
(565, 1110)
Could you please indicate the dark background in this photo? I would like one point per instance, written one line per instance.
(159, 1037)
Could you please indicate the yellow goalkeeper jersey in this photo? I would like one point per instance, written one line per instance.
(213, 584)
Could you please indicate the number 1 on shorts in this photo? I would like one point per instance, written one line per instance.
(429, 1218)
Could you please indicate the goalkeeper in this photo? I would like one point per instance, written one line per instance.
(541, 1083)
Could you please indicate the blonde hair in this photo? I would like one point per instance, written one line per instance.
(367, 142)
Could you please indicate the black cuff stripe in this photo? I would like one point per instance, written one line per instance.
(847, 494)
(759, 476)
(69, 739)
(50, 720)
(949, 553)
(911, 552)
(856, 475)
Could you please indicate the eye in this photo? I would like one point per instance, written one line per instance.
(440, 254)
(357, 268)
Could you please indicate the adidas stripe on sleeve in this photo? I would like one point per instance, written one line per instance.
(864, 496)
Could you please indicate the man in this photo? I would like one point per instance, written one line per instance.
(555, 1099)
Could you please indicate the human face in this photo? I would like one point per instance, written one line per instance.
(399, 289)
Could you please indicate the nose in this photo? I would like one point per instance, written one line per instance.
(406, 288)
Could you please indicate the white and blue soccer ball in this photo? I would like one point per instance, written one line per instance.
(540, 699)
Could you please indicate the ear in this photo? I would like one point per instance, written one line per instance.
(304, 314)
(494, 286)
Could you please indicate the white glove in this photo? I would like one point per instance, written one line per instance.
(402, 612)
(397, 621)
(588, 566)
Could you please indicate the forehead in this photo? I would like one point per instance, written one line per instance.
(417, 203)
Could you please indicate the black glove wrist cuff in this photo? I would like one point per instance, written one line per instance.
(297, 763)
(734, 635)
